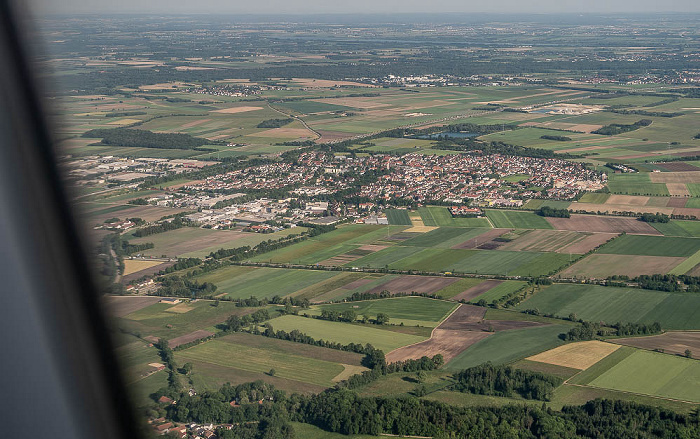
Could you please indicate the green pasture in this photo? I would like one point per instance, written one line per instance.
(158, 321)
(345, 332)
(444, 237)
(398, 308)
(286, 365)
(458, 287)
(655, 374)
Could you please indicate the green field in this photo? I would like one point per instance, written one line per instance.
(458, 287)
(609, 304)
(499, 291)
(507, 346)
(444, 237)
(158, 321)
(308, 431)
(328, 245)
(224, 353)
(511, 219)
(687, 265)
(441, 217)
(399, 308)
(651, 246)
(345, 332)
(635, 184)
(594, 197)
(243, 282)
(193, 242)
(398, 217)
(463, 261)
(655, 374)
(688, 229)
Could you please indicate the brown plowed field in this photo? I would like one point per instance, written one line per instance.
(588, 243)
(187, 338)
(119, 306)
(678, 167)
(482, 239)
(670, 342)
(544, 241)
(677, 202)
(147, 272)
(687, 211)
(419, 284)
(449, 343)
(601, 224)
(674, 177)
(464, 316)
(477, 290)
(678, 189)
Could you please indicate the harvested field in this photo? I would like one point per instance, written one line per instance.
(678, 189)
(670, 342)
(591, 223)
(126, 279)
(120, 306)
(588, 243)
(188, 338)
(576, 355)
(600, 266)
(449, 343)
(477, 290)
(632, 200)
(675, 177)
(677, 201)
(419, 284)
(235, 110)
(483, 239)
(544, 241)
(132, 266)
(678, 167)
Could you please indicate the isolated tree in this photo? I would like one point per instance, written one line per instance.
(688, 353)
(382, 318)
(187, 368)
(272, 372)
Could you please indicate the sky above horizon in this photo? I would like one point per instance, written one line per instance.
(361, 6)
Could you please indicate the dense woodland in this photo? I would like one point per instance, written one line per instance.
(343, 411)
(146, 139)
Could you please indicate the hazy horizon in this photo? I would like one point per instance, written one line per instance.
(280, 7)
